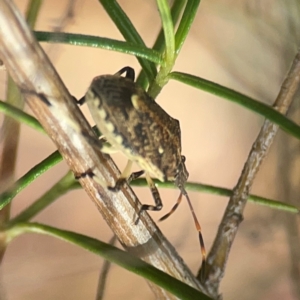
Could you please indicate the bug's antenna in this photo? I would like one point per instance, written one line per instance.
(197, 224)
(198, 227)
(129, 73)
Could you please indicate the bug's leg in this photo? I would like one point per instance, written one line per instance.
(172, 210)
(80, 101)
(155, 194)
(129, 73)
(88, 173)
(126, 177)
(42, 96)
(135, 175)
(104, 147)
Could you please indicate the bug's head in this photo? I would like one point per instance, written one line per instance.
(181, 174)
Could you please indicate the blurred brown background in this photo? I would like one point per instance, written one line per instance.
(244, 45)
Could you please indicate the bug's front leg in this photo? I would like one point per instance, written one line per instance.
(155, 194)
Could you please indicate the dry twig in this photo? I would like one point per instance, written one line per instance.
(217, 258)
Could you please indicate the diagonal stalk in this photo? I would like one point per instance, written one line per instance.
(233, 215)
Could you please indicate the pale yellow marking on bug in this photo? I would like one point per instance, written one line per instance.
(119, 139)
(102, 113)
(160, 150)
(110, 127)
(135, 101)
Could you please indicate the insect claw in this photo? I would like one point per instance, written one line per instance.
(113, 188)
(44, 99)
(118, 185)
(139, 215)
(81, 101)
(135, 175)
(88, 173)
(129, 73)
(137, 220)
(42, 96)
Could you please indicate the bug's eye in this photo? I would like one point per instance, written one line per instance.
(183, 159)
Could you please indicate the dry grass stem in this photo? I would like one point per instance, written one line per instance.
(217, 258)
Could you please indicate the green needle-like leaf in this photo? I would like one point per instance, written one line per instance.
(115, 255)
(168, 28)
(215, 190)
(159, 44)
(185, 23)
(64, 185)
(129, 32)
(30, 176)
(199, 187)
(19, 115)
(99, 42)
(176, 10)
(33, 10)
(231, 95)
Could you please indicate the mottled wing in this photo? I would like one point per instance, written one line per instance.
(162, 145)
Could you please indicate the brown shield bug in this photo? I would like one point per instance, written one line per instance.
(133, 123)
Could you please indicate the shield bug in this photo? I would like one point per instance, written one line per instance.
(133, 123)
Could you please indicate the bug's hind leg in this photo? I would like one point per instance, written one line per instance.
(157, 200)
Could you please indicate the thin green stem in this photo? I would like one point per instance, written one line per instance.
(138, 50)
(185, 24)
(64, 185)
(159, 44)
(231, 95)
(102, 281)
(113, 254)
(169, 54)
(20, 116)
(198, 187)
(168, 28)
(129, 32)
(215, 190)
(32, 12)
(181, 34)
(176, 10)
(29, 177)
